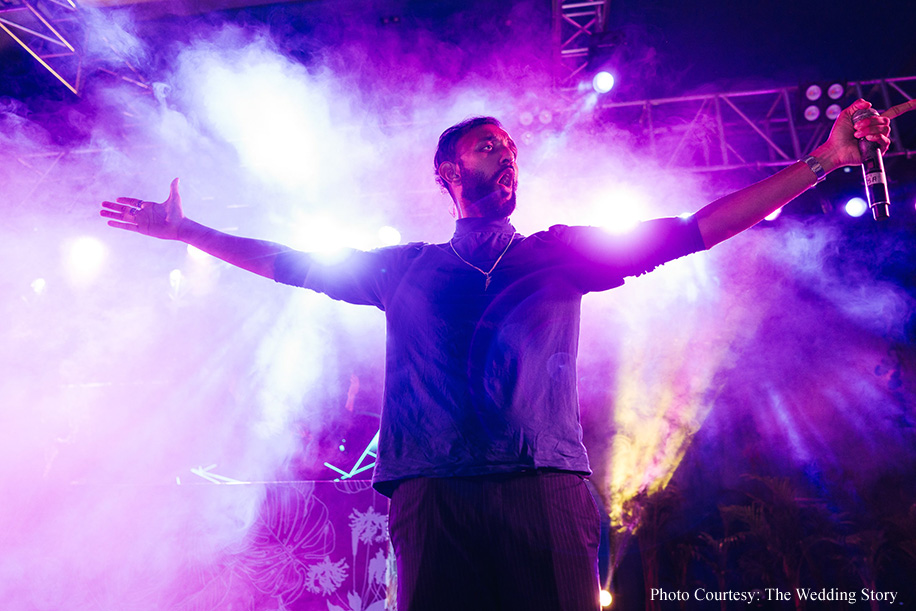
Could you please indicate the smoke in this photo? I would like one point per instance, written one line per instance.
(133, 368)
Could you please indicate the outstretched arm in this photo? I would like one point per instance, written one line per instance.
(738, 211)
(167, 221)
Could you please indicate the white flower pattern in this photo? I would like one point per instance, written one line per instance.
(325, 577)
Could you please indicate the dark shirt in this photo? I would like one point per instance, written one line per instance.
(484, 381)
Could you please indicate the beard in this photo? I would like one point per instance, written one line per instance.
(485, 194)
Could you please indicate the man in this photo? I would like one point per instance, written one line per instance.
(481, 448)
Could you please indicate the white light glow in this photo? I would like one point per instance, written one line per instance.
(274, 114)
(329, 239)
(268, 125)
(603, 82)
(39, 285)
(389, 236)
(773, 215)
(175, 278)
(197, 254)
(84, 257)
(605, 598)
(621, 209)
(856, 207)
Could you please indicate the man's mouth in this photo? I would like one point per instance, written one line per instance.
(507, 179)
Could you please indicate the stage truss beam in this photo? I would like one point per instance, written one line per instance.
(702, 133)
(53, 32)
(575, 24)
(44, 28)
(744, 129)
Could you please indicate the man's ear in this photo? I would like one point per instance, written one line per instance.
(448, 172)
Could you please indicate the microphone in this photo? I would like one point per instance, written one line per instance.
(873, 171)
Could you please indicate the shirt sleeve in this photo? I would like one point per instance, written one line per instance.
(648, 245)
(354, 276)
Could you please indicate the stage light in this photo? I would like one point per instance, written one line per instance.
(389, 236)
(526, 118)
(197, 254)
(329, 240)
(605, 598)
(812, 113)
(84, 259)
(175, 280)
(822, 100)
(603, 82)
(39, 285)
(773, 215)
(621, 209)
(856, 207)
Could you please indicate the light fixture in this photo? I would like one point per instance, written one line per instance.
(603, 82)
(821, 100)
(856, 207)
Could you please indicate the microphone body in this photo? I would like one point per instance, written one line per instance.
(873, 171)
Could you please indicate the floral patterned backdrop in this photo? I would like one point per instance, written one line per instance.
(314, 546)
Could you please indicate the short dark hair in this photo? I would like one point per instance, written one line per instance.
(449, 140)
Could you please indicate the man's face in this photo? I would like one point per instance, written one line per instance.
(489, 174)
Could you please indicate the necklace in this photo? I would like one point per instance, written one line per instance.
(486, 275)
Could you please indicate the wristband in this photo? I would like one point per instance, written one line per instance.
(816, 167)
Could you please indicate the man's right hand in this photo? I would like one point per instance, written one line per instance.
(149, 218)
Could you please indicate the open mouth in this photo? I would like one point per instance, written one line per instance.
(506, 179)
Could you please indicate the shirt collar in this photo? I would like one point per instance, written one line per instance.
(467, 226)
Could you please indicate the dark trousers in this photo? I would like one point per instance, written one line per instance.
(526, 542)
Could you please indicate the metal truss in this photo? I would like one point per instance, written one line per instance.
(53, 32)
(575, 23)
(364, 462)
(739, 130)
(45, 28)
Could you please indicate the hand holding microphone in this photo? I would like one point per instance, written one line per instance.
(873, 170)
(873, 161)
